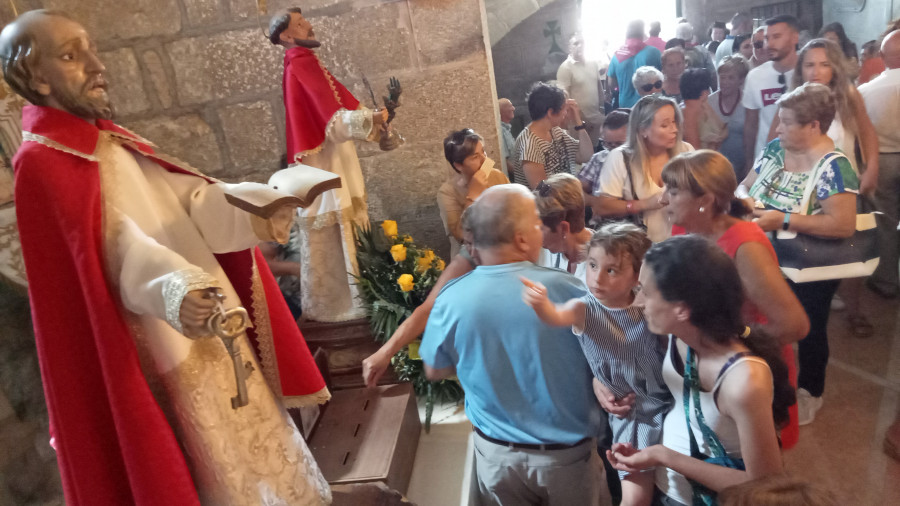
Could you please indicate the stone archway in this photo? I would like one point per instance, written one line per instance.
(528, 42)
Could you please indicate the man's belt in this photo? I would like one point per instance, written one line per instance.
(525, 446)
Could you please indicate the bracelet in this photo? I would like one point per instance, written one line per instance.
(629, 206)
(582, 126)
(787, 221)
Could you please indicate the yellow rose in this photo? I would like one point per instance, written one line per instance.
(440, 265)
(414, 350)
(406, 282)
(398, 251)
(407, 239)
(424, 261)
(390, 228)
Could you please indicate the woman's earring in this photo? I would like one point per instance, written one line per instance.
(702, 209)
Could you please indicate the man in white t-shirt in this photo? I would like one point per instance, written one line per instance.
(765, 84)
(581, 80)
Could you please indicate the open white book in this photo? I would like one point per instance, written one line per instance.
(297, 185)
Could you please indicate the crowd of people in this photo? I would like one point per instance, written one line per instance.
(637, 263)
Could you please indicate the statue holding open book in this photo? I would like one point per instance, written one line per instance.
(129, 255)
(323, 120)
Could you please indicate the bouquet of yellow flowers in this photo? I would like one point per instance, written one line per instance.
(395, 277)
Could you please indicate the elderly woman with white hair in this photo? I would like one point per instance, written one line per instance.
(647, 80)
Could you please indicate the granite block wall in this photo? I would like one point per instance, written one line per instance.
(199, 79)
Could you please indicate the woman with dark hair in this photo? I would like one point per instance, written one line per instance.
(730, 386)
(743, 45)
(835, 33)
(544, 148)
(703, 128)
(699, 199)
(473, 172)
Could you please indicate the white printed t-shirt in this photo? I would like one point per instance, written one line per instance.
(761, 91)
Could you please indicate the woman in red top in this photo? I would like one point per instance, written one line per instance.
(699, 199)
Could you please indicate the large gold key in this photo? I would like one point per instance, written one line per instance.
(229, 325)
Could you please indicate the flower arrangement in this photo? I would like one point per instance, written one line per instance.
(395, 277)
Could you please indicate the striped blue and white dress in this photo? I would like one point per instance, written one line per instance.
(626, 357)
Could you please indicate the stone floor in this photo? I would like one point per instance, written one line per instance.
(841, 450)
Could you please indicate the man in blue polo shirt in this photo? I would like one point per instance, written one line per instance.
(528, 386)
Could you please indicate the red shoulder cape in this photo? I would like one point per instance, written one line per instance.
(114, 445)
(311, 97)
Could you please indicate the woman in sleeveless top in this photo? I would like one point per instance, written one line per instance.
(730, 385)
(699, 199)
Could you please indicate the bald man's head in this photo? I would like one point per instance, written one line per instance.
(890, 50)
(49, 59)
(507, 110)
(20, 51)
(500, 213)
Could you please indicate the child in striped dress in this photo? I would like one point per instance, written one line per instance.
(623, 354)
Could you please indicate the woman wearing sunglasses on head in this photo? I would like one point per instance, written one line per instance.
(647, 80)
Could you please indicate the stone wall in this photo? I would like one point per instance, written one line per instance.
(199, 79)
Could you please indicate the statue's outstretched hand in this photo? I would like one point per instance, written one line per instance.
(196, 307)
(379, 116)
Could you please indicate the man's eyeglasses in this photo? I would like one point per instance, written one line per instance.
(647, 87)
(781, 81)
(758, 44)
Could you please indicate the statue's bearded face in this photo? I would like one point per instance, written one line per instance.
(68, 72)
(300, 32)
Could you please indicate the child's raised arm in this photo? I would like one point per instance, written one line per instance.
(570, 313)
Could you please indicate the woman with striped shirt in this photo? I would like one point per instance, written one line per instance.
(544, 148)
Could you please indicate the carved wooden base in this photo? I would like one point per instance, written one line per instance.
(347, 344)
(368, 435)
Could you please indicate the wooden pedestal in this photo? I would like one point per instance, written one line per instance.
(368, 435)
(347, 344)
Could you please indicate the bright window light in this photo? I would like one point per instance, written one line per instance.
(603, 22)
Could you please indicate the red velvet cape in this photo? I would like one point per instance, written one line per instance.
(114, 445)
(311, 97)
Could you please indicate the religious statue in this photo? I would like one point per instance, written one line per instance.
(323, 119)
(128, 254)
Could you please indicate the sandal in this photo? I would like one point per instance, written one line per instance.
(860, 326)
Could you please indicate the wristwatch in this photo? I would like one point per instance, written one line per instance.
(582, 126)
(787, 221)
